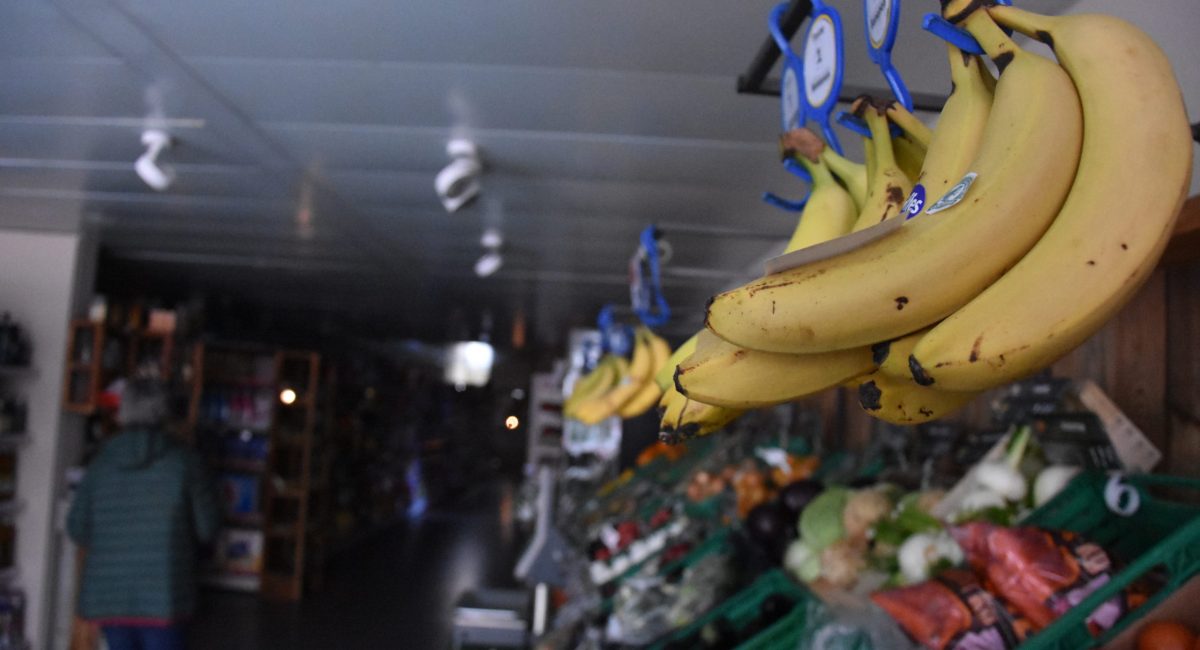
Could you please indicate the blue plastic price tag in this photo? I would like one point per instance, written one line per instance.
(881, 21)
(824, 68)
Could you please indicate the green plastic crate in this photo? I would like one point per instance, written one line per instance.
(743, 607)
(717, 542)
(1162, 533)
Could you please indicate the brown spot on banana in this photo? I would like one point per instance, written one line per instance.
(918, 373)
(879, 352)
(975, 350)
(901, 301)
(1002, 61)
(869, 396)
(895, 194)
(1091, 262)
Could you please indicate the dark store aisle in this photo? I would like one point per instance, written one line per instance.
(394, 591)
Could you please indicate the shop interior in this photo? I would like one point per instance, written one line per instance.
(429, 291)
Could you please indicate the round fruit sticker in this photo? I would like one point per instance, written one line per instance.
(915, 203)
(820, 60)
(879, 18)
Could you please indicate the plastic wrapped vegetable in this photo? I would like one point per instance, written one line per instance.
(952, 612)
(1041, 573)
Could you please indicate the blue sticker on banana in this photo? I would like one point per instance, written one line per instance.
(956, 194)
(915, 203)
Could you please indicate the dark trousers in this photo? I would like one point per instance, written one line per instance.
(128, 637)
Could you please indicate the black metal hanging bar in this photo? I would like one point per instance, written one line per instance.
(754, 80)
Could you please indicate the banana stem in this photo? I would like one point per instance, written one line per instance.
(998, 45)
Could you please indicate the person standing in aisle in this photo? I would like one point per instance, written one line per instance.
(140, 512)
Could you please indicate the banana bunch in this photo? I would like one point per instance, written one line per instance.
(622, 388)
(1017, 255)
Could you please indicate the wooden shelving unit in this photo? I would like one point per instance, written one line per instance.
(293, 485)
(96, 355)
(229, 420)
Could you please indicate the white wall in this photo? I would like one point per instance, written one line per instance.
(37, 280)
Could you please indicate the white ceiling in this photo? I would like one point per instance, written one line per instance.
(309, 133)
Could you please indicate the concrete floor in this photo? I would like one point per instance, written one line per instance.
(396, 590)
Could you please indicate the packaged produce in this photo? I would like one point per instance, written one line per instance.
(953, 611)
(1041, 573)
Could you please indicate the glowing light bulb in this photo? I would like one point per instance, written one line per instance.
(287, 396)
(511, 422)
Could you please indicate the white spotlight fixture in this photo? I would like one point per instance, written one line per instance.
(492, 260)
(458, 183)
(155, 175)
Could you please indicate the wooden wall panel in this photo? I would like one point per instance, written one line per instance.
(1183, 370)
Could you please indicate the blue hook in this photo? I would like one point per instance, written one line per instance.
(822, 14)
(880, 50)
(955, 35)
(858, 125)
(782, 203)
(653, 295)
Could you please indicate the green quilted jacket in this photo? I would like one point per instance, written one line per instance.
(142, 508)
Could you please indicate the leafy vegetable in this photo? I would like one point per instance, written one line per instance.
(821, 521)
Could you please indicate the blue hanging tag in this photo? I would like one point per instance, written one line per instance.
(881, 21)
(645, 281)
(790, 101)
(615, 338)
(824, 67)
(791, 104)
(955, 35)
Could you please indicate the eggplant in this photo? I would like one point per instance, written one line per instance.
(797, 494)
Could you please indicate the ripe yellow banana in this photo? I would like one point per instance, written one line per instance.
(913, 143)
(600, 407)
(723, 374)
(955, 143)
(887, 186)
(910, 155)
(699, 419)
(1133, 176)
(670, 407)
(649, 393)
(913, 128)
(890, 393)
(591, 385)
(830, 210)
(852, 175)
(937, 262)
(665, 377)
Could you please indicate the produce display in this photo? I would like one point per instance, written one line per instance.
(1014, 190)
(947, 263)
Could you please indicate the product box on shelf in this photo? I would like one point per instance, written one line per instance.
(239, 551)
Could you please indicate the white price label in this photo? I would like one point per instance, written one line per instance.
(790, 92)
(820, 60)
(878, 14)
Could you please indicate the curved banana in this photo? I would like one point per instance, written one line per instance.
(910, 155)
(670, 407)
(722, 374)
(852, 175)
(913, 143)
(887, 185)
(955, 143)
(913, 128)
(649, 393)
(1137, 153)
(605, 405)
(591, 385)
(904, 402)
(937, 262)
(665, 377)
(699, 419)
(830, 210)
(891, 395)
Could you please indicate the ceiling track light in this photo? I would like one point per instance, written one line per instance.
(157, 176)
(491, 261)
(458, 183)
